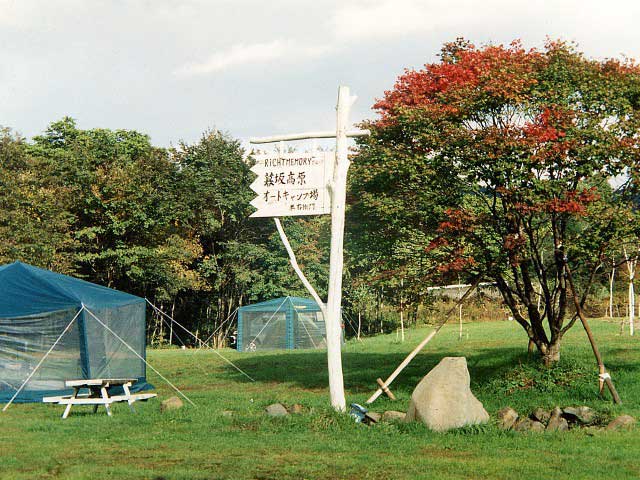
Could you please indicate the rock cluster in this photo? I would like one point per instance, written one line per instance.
(279, 410)
(558, 420)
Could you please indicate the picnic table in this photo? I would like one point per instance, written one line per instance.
(98, 394)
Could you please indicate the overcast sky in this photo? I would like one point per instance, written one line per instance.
(173, 69)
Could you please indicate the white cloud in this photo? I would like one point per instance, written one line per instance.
(241, 54)
(377, 19)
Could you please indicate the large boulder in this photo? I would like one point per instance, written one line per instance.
(443, 399)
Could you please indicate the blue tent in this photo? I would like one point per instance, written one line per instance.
(36, 306)
(282, 323)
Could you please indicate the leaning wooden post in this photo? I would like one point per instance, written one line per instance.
(603, 375)
(421, 345)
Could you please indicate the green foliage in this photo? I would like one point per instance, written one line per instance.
(169, 224)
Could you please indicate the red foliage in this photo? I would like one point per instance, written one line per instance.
(497, 71)
(574, 202)
(457, 221)
(550, 125)
(458, 264)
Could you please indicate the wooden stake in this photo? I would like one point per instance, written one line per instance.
(603, 375)
(385, 389)
(422, 344)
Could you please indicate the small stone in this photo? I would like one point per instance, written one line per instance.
(393, 416)
(557, 423)
(171, 403)
(541, 415)
(227, 413)
(296, 408)
(528, 425)
(276, 410)
(507, 418)
(584, 415)
(372, 417)
(623, 422)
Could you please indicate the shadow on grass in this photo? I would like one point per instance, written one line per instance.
(308, 370)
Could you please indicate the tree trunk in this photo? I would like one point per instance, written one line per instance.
(611, 280)
(632, 305)
(552, 354)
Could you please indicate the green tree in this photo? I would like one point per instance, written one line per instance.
(34, 221)
(495, 161)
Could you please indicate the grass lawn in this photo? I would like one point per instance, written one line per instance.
(203, 443)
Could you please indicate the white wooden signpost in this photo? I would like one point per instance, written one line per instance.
(292, 184)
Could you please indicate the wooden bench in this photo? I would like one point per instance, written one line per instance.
(98, 394)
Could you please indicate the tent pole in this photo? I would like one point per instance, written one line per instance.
(43, 358)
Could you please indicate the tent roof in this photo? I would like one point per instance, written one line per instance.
(27, 290)
(276, 303)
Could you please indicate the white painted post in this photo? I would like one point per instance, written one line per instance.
(631, 267)
(337, 190)
(611, 280)
(402, 307)
(334, 300)
(632, 306)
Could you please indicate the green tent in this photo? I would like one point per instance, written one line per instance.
(39, 308)
(282, 323)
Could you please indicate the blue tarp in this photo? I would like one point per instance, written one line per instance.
(37, 305)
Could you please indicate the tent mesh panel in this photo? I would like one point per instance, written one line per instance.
(283, 323)
(35, 308)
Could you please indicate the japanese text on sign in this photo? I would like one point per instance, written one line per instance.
(290, 184)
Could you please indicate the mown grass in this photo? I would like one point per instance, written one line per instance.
(204, 443)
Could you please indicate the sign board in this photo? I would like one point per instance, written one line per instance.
(292, 184)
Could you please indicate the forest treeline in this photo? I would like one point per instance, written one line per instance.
(171, 225)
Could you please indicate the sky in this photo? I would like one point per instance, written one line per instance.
(174, 69)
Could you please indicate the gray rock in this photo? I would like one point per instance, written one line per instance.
(227, 413)
(557, 423)
(276, 410)
(541, 415)
(528, 425)
(623, 422)
(171, 403)
(393, 416)
(296, 408)
(583, 415)
(443, 399)
(372, 417)
(507, 418)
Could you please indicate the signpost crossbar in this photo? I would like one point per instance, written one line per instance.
(306, 136)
